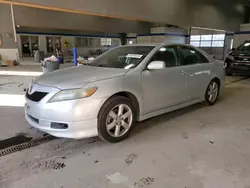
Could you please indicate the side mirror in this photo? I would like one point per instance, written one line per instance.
(155, 65)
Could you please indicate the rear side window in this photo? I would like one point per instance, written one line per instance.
(190, 56)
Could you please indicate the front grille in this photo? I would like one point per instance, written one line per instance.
(33, 119)
(238, 58)
(36, 96)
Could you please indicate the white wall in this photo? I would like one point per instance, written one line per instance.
(242, 35)
(165, 34)
(239, 39)
(245, 27)
(8, 48)
(162, 38)
(227, 47)
(42, 43)
(144, 39)
(9, 54)
(155, 30)
(6, 28)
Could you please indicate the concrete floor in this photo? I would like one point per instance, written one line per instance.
(196, 147)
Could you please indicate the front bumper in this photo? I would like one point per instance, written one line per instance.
(80, 115)
(76, 130)
(234, 67)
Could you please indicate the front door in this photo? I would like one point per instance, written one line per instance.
(164, 87)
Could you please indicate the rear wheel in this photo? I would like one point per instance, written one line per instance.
(212, 92)
(116, 119)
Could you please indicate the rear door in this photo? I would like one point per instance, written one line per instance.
(197, 69)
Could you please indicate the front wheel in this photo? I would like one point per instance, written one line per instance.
(116, 119)
(212, 92)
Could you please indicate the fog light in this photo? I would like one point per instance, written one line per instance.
(58, 125)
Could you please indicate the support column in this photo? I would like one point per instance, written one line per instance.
(246, 14)
(123, 37)
(8, 46)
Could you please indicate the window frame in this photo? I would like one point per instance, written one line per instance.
(213, 39)
(85, 42)
(167, 46)
(196, 51)
(106, 42)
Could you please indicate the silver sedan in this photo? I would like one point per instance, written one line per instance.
(127, 84)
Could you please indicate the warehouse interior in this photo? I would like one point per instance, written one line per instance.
(198, 146)
(91, 32)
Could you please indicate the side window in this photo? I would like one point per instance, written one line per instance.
(167, 54)
(190, 56)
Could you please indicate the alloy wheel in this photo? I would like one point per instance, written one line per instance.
(213, 91)
(119, 120)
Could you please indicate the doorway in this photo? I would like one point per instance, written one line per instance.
(29, 45)
(53, 45)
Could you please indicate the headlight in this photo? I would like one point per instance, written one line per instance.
(230, 57)
(73, 94)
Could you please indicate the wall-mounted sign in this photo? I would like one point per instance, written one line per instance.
(66, 44)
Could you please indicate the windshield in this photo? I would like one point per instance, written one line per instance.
(124, 57)
(244, 47)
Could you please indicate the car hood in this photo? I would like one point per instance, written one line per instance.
(77, 77)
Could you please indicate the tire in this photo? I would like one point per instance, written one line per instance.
(109, 117)
(210, 91)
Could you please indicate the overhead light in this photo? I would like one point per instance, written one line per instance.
(18, 25)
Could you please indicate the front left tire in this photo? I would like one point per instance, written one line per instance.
(116, 119)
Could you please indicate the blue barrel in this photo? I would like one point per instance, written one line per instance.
(61, 60)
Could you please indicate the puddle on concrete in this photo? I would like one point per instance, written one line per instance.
(13, 141)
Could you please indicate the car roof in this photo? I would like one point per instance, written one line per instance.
(143, 44)
(158, 44)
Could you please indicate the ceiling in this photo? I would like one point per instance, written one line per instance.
(200, 13)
